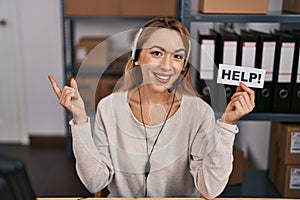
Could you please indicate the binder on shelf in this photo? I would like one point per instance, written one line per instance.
(295, 104)
(247, 49)
(207, 69)
(283, 65)
(226, 53)
(264, 59)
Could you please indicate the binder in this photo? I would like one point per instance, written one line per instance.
(247, 49)
(227, 45)
(283, 65)
(264, 59)
(295, 102)
(207, 69)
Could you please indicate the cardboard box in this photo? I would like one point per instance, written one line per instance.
(236, 176)
(291, 6)
(285, 142)
(289, 144)
(126, 8)
(93, 88)
(90, 53)
(92, 7)
(234, 6)
(288, 180)
(146, 8)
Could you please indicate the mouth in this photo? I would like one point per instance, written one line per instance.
(162, 78)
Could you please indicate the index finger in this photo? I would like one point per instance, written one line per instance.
(55, 86)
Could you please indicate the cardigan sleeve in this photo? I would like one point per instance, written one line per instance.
(211, 155)
(93, 162)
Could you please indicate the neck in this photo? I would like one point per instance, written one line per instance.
(150, 96)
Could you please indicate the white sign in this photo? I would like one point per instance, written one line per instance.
(233, 75)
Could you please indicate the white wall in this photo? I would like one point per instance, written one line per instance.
(42, 55)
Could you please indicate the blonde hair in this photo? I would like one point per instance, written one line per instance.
(133, 78)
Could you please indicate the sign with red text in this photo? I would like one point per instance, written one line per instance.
(233, 75)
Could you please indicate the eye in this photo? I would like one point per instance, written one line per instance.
(178, 56)
(156, 53)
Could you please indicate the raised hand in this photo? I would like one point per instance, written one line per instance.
(241, 103)
(70, 99)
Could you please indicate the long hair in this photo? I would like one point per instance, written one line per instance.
(133, 74)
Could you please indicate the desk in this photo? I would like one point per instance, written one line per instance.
(78, 198)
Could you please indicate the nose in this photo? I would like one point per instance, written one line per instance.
(166, 62)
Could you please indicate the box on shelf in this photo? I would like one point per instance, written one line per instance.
(283, 175)
(292, 6)
(93, 88)
(92, 8)
(146, 8)
(91, 52)
(236, 176)
(286, 138)
(234, 6)
(130, 8)
(287, 180)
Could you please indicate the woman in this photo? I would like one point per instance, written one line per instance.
(155, 137)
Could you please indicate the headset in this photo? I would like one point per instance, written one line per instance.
(134, 56)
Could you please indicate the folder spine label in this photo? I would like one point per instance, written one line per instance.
(268, 56)
(229, 52)
(207, 51)
(286, 62)
(248, 57)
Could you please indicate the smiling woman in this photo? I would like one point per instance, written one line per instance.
(155, 137)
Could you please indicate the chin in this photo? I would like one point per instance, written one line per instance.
(160, 88)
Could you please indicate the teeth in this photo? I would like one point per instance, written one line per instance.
(162, 77)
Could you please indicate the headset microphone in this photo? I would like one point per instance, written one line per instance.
(178, 80)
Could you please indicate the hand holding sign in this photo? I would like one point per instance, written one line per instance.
(242, 103)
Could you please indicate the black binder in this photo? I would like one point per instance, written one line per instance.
(226, 53)
(283, 66)
(246, 55)
(207, 69)
(265, 55)
(295, 104)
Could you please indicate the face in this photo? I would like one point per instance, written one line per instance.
(162, 59)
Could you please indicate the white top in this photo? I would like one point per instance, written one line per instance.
(193, 153)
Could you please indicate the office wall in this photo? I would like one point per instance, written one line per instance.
(42, 55)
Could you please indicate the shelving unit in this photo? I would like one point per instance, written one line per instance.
(187, 19)
(255, 182)
(184, 10)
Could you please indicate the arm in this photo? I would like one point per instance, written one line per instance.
(211, 151)
(93, 164)
(211, 156)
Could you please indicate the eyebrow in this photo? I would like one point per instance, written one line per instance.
(163, 49)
